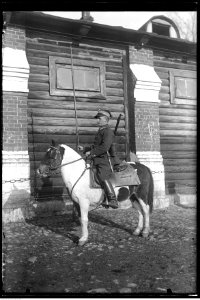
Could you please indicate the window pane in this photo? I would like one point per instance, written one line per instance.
(185, 87)
(64, 78)
(84, 78)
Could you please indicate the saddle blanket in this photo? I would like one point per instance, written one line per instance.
(127, 176)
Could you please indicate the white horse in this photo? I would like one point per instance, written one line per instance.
(76, 176)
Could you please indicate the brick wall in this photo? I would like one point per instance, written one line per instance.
(147, 135)
(14, 37)
(140, 56)
(14, 121)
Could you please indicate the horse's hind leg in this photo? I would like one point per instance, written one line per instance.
(140, 225)
(145, 210)
(84, 206)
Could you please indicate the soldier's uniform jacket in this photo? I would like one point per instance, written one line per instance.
(103, 142)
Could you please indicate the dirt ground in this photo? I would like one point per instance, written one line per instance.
(41, 255)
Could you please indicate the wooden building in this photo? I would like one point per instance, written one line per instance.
(148, 77)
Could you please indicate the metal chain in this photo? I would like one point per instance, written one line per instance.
(29, 179)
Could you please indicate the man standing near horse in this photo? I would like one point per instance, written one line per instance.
(103, 155)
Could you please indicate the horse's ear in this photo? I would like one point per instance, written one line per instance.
(62, 151)
(53, 143)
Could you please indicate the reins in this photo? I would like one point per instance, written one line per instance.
(71, 162)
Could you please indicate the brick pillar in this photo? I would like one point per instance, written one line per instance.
(145, 85)
(15, 135)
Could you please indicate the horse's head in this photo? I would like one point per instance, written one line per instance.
(52, 160)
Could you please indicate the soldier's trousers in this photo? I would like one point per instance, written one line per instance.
(103, 171)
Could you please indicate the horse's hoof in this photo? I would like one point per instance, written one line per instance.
(136, 232)
(145, 234)
(82, 243)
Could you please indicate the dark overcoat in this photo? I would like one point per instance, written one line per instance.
(103, 145)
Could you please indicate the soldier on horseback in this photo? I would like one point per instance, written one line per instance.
(103, 155)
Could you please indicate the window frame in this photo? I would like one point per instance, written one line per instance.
(54, 91)
(185, 74)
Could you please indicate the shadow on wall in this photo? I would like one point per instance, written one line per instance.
(17, 206)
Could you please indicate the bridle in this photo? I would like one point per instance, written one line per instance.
(53, 167)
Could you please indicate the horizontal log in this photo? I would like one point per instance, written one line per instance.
(180, 169)
(183, 182)
(177, 119)
(162, 75)
(38, 61)
(60, 40)
(62, 139)
(114, 92)
(87, 56)
(178, 147)
(162, 70)
(38, 78)
(172, 65)
(60, 113)
(68, 130)
(179, 162)
(39, 70)
(113, 69)
(177, 133)
(113, 76)
(38, 86)
(179, 154)
(164, 96)
(177, 126)
(175, 175)
(164, 90)
(46, 50)
(169, 111)
(42, 95)
(165, 82)
(178, 140)
(114, 84)
(175, 106)
(84, 122)
(59, 104)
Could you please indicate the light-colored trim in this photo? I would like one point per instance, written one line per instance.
(147, 83)
(15, 70)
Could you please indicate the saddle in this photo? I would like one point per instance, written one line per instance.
(124, 175)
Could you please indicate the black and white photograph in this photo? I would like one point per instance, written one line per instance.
(99, 154)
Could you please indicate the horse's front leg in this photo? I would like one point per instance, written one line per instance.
(84, 207)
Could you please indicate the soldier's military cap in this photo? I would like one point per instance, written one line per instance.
(103, 112)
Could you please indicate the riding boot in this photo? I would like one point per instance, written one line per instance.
(110, 194)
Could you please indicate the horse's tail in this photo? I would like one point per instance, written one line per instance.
(151, 191)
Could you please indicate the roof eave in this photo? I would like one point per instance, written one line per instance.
(64, 26)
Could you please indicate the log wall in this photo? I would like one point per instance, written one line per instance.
(53, 117)
(177, 128)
